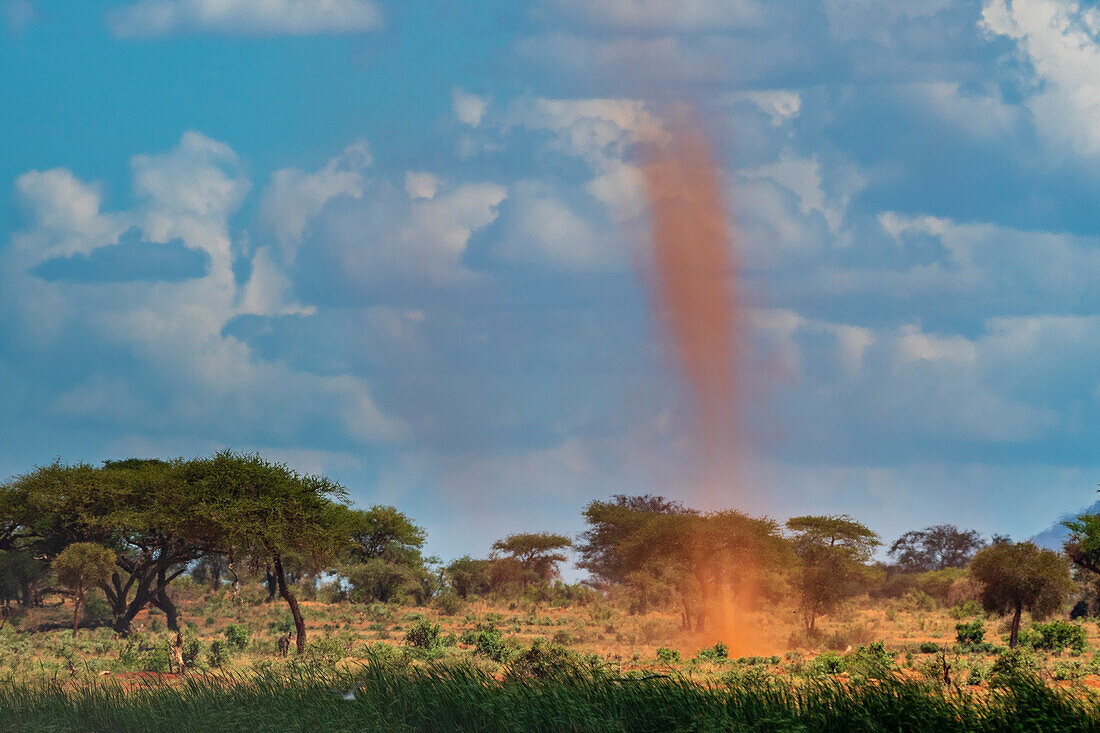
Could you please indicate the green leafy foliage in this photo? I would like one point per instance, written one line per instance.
(1056, 636)
(970, 633)
(423, 634)
(237, 637)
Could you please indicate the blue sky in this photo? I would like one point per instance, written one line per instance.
(403, 244)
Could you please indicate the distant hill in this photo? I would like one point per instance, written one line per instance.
(1053, 536)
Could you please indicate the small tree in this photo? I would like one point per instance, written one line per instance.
(537, 554)
(82, 566)
(833, 550)
(1019, 576)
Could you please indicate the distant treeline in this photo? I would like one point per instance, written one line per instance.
(130, 528)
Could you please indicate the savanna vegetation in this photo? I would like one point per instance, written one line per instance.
(231, 590)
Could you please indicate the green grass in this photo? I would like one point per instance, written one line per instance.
(463, 698)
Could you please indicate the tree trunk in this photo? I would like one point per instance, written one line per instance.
(78, 601)
(164, 603)
(271, 583)
(1015, 633)
(284, 591)
(28, 594)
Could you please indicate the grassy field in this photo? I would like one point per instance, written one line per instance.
(579, 664)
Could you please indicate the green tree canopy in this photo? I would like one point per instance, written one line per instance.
(253, 507)
(1020, 576)
(80, 567)
(832, 550)
(383, 557)
(938, 547)
(646, 541)
(538, 554)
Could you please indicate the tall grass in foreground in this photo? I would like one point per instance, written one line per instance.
(464, 698)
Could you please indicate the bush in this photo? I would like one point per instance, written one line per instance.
(97, 610)
(826, 663)
(1056, 636)
(192, 649)
(966, 609)
(542, 660)
(1013, 664)
(929, 647)
(423, 634)
(448, 604)
(668, 656)
(871, 662)
(236, 637)
(713, 653)
(488, 641)
(219, 654)
(970, 633)
(919, 600)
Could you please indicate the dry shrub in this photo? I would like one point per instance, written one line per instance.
(654, 630)
(963, 590)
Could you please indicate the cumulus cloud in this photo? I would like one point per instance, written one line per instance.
(1060, 40)
(193, 375)
(294, 197)
(151, 18)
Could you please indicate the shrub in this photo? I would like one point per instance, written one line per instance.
(970, 633)
(561, 636)
(919, 600)
(871, 662)
(966, 609)
(236, 637)
(668, 656)
(96, 610)
(423, 634)
(192, 649)
(827, 663)
(713, 653)
(929, 647)
(448, 604)
(218, 655)
(542, 660)
(1013, 664)
(1068, 671)
(488, 641)
(1056, 636)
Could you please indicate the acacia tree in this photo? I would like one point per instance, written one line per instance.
(648, 540)
(1020, 576)
(265, 510)
(383, 557)
(833, 550)
(935, 548)
(145, 510)
(535, 555)
(469, 576)
(80, 567)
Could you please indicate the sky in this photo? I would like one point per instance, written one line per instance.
(404, 244)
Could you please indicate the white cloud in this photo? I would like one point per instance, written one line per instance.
(780, 105)
(150, 18)
(542, 228)
(1060, 40)
(421, 185)
(200, 378)
(468, 108)
(392, 241)
(294, 197)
